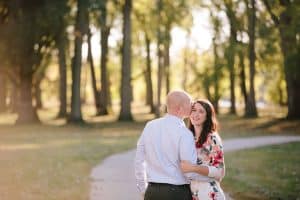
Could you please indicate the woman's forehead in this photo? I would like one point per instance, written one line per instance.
(197, 105)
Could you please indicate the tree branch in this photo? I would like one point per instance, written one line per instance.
(273, 16)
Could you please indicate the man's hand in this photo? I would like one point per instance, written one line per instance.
(143, 196)
(186, 166)
(216, 173)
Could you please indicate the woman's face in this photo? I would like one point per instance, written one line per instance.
(198, 114)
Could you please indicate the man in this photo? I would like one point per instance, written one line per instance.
(163, 143)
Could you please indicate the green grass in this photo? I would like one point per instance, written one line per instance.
(264, 173)
(48, 162)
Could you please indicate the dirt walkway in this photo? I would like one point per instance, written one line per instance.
(113, 179)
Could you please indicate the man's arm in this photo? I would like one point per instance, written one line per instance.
(188, 153)
(139, 165)
(204, 170)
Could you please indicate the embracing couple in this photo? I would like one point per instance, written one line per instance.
(174, 162)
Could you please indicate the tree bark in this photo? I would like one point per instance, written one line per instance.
(185, 69)
(291, 51)
(61, 45)
(26, 111)
(251, 110)
(231, 55)
(216, 75)
(104, 91)
(3, 92)
(76, 113)
(291, 54)
(93, 74)
(243, 77)
(126, 90)
(167, 62)
(38, 95)
(159, 59)
(104, 94)
(148, 77)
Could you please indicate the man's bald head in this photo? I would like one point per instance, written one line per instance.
(178, 103)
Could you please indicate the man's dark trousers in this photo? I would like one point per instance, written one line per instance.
(163, 191)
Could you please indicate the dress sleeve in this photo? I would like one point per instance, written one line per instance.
(139, 164)
(216, 155)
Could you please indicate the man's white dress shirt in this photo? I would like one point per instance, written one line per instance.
(163, 143)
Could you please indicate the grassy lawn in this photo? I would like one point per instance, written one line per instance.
(48, 162)
(52, 160)
(265, 173)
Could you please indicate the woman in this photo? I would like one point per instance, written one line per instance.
(203, 125)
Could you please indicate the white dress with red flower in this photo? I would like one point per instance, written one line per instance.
(210, 154)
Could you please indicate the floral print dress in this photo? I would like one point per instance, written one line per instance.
(210, 154)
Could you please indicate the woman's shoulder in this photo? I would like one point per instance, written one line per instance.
(214, 138)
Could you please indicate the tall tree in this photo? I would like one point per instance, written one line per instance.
(61, 47)
(93, 74)
(159, 7)
(286, 17)
(148, 76)
(80, 30)
(27, 58)
(251, 110)
(217, 72)
(105, 28)
(230, 53)
(126, 90)
(143, 13)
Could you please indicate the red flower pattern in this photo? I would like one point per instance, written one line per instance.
(211, 153)
(213, 195)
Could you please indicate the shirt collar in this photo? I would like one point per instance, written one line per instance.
(175, 118)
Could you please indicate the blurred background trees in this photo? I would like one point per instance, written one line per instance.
(107, 55)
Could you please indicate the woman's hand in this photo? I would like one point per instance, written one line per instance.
(186, 166)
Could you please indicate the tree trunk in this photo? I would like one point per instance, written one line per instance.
(61, 44)
(13, 97)
(126, 90)
(243, 77)
(93, 75)
(291, 51)
(2, 93)
(38, 95)
(76, 114)
(251, 110)
(231, 53)
(216, 98)
(291, 62)
(167, 63)
(231, 61)
(159, 80)
(148, 77)
(105, 91)
(185, 69)
(104, 94)
(26, 111)
(159, 59)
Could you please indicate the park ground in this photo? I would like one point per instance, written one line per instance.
(53, 160)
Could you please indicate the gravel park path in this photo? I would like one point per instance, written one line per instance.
(113, 179)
